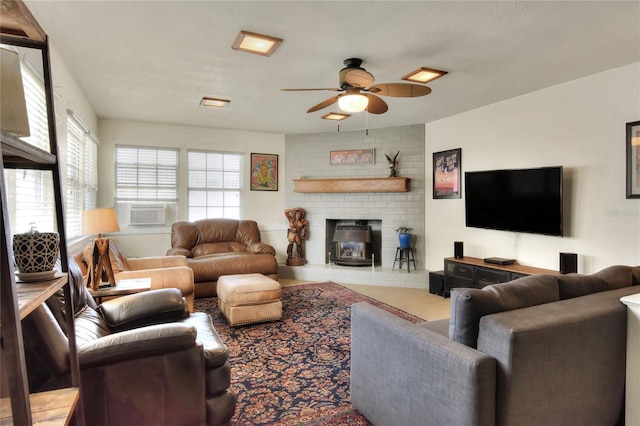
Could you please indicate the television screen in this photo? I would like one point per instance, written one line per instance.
(523, 200)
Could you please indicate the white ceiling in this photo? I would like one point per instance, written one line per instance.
(154, 60)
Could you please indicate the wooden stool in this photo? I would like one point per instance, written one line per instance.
(404, 254)
(249, 298)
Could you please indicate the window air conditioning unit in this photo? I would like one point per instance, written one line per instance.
(148, 214)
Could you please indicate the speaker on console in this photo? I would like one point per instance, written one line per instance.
(458, 249)
(568, 263)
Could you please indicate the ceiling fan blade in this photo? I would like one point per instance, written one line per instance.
(376, 105)
(359, 78)
(335, 89)
(400, 90)
(330, 101)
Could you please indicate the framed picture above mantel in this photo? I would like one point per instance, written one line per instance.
(633, 159)
(352, 157)
(446, 174)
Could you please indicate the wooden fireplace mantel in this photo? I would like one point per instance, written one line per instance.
(383, 184)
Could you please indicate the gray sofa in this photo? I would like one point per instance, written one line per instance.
(540, 350)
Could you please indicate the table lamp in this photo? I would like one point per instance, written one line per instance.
(100, 221)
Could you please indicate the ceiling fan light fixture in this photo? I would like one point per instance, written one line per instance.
(256, 43)
(214, 102)
(423, 75)
(335, 116)
(354, 102)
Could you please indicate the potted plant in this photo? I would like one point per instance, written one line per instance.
(36, 252)
(404, 236)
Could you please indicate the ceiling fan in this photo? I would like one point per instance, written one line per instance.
(357, 85)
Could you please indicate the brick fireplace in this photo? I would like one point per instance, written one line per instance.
(307, 156)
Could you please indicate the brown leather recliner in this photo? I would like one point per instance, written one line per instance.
(216, 247)
(144, 359)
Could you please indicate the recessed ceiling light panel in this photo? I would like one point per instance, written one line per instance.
(256, 43)
(423, 75)
(214, 102)
(335, 116)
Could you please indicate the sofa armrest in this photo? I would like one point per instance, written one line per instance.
(141, 309)
(180, 277)
(137, 344)
(156, 262)
(179, 251)
(260, 248)
(402, 373)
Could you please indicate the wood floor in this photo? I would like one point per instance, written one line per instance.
(418, 302)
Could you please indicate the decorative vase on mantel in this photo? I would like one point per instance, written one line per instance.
(35, 253)
(404, 236)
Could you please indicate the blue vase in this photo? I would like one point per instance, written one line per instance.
(404, 240)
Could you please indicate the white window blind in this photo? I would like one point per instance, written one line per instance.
(214, 185)
(32, 81)
(146, 174)
(82, 173)
(30, 192)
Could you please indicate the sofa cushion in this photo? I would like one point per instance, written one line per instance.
(618, 276)
(468, 305)
(576, 285)
(221, 247)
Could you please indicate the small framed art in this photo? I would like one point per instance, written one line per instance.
(264, 172)
(352, 156)
(633, 159)
(446, 174)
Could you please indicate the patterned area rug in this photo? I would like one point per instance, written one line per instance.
(295, 371)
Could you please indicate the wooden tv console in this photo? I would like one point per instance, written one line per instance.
(476, 273)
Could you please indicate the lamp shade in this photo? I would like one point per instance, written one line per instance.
(100, 221)
(355, 102)
(13, 106)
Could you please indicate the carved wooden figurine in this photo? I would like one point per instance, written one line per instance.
(296, 234)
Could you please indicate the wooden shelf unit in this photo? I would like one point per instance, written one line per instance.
(18, 300)
(335, 185)
(50, 407)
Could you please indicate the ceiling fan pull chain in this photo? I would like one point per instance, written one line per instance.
(366, 121)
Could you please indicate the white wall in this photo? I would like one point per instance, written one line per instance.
(579, 125)
(265, 207)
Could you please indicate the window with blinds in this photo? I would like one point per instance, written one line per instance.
(33, 82)
(82, 173)
(30, 192)
(146, 174)
(214, 185)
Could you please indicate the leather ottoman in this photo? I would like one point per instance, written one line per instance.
(249, 298)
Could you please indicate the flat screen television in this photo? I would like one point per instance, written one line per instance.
(519, 200)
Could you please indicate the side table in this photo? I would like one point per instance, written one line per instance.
(122, 287)
(632, 394)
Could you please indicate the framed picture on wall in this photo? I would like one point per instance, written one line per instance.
(352, 156)
(264, 172)
(633, 159)
(446, 174)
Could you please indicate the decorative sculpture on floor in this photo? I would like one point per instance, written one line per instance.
(296, 234)
(392, 164)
